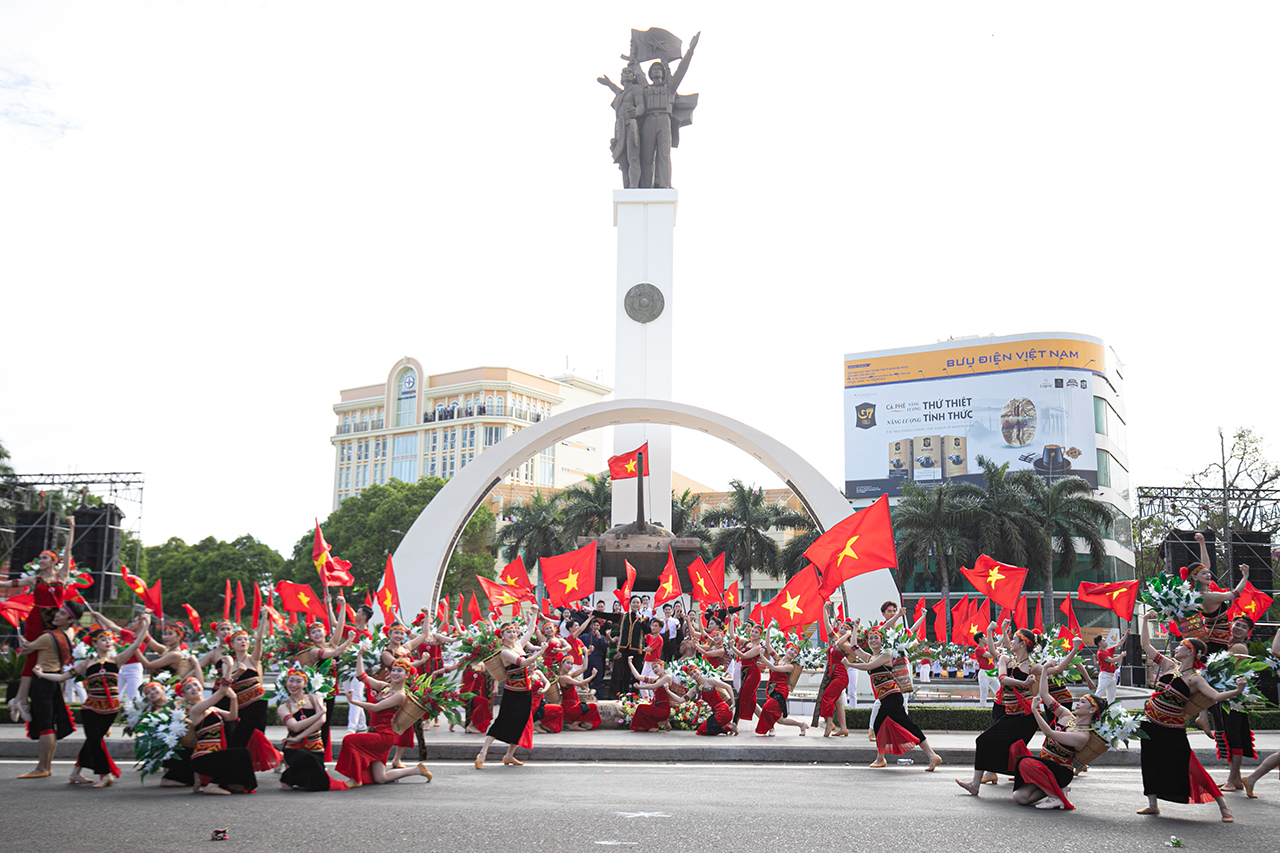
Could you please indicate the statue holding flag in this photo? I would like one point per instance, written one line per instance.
(649, 117)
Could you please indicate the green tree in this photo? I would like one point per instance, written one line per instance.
(792, 555)
(587, 507)
(472, 556)
(1000, 526)
(743, 532)
(686, 525)
(1248, 476)
(929, 527)
(1063, 511)
(197, 574)
(536, 530)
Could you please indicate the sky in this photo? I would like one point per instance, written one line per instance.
(214, 216)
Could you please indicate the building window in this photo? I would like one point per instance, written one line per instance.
(404, 458)
(493, 434)
(406, 391)
(500, 405)
(431, 467)
(431, 441)
(471, 409)
(547, 467)
(471, 437)
(488, 405)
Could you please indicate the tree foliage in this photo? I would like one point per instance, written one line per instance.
(197, 574)
(684, 524)
(741, 532)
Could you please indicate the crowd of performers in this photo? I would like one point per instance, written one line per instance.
(546, 671)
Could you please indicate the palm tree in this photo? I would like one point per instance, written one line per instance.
(536, 530)
(1001, 525)
(929, 523)
(686, 525)
(588, 507)
(743, 534)
(791, 557)
(1064, 510)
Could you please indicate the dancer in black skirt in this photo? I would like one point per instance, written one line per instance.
(1017, 684)
(1231, 729)
(303, 714)
(1170, 770)
(514, 725)
(222, 769)
(1045, 780)
(894, 730)
(102, 703)
(246, 677)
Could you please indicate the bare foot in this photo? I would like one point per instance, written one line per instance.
(515, 762)
(1248, 790)
(1149, 810)
(214, 789)
(804, 727)
(1227, 816)
(879, 762)
(284, 787)
(933, 763)
(990, 779)
(397, 764)
(77, 779)
(105, 782)
(424, 772)
(968, 786)
(172, 783)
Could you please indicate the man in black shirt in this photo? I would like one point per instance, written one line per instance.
(631, 633)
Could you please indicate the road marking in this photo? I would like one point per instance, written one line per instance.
(616, 843)
(630, 815)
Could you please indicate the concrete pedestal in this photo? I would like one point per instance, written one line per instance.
(646, 221)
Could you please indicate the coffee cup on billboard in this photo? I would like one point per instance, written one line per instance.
(895, 463)
(925, 461)
(1052, 456)
(956, 458)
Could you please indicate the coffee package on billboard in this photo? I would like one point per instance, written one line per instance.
(955, 455)
(900, 460)
(927, 450)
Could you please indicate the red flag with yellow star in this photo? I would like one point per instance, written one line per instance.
(473, 610)
(959, 622)
(731, 595)
(668, 582)
(979, 620)
(799, 602)
(332, 571)
(500, 595)
(301, 598)
(701, 586)
(1252, 603)
(940, 621)
(570, 577)
(625, 466)
(624, 594)
(1120, 596)
(715, 573)
(388, 595)
(861, 543)
(1072, 628)
(998, 582)
(514, 574)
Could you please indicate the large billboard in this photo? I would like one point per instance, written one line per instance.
(925, 414)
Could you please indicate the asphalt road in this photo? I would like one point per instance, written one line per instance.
(566, 806)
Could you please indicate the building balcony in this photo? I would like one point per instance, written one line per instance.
(348, 429)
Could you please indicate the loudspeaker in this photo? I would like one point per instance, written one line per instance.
(97, 548)
(1253, 550)
(1132, 672)
(35, 531)
(1180, 548)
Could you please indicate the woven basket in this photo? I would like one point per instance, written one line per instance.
(494, 666)
(1197, 703)
(406, 715)
(902, 675)
(1193, 626)
(1090, 752)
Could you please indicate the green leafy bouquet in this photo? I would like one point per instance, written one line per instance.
(1223, 668)
(1117, 725)
(157, 736)
(437, 696)
(1171, 597)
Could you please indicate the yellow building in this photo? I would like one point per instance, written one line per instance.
(417, 425)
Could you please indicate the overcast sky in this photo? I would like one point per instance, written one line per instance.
(213, 216)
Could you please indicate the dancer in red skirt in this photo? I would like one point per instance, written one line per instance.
(1170, 770)
(49, 583)
(717, 695)
(749, 686)
(894, 730)
(831, 706)
(782, 680)
(101, 682)
(1045, 780)
(652, 716)
(363, 758)
(578, 715)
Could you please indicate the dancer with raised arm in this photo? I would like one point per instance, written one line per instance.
(1019, 679)
(782, 680)
(895, 732)
(1044, 780)
(220, 769)
(363, 758)
(246, 676)
(514, 725)
(652, 716)
(49, 582)
(1215, 607)
(48, 720)
(1170, 770)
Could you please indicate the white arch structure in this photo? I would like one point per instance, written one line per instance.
(423, 554)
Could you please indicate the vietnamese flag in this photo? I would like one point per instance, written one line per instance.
(333, 572)
(514, 574)
(226, 602)
(624, 594)
(473, 609)
(1073, 627)
(15, 608)
(499, 595)
(1001, 583)
(1119, 597)
(701, 586)
(135, 583)
(757, 613)
(959, 618)
(624, 466)
(861, 543)
(1252, 603)
(257, 605)
(569, 577)
(545, 606)
(979, 620)
(442, 609)
(731, 595)
(462, 606)
(1020, 613)
(239, 600)
(301, 598)
(1039, 629)
(668, 582)
(715, 574)
(940, 621)
(1005, 613)
(192, 616)
(921, 608)
(388, 595)
(800, 601)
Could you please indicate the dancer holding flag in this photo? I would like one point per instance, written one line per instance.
(1216, 630)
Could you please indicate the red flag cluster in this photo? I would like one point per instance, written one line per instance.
(332, 571)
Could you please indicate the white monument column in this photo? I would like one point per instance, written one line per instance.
(646, 221)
